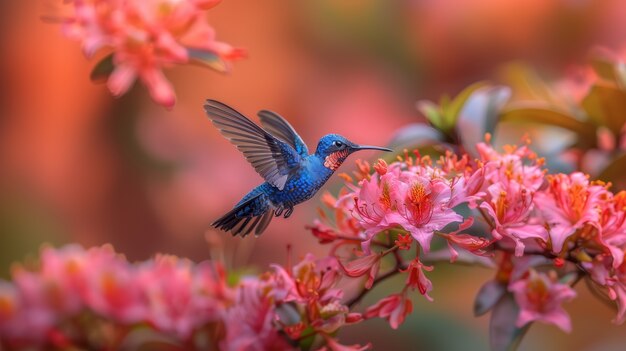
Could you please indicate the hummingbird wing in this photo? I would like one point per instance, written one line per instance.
(280, 128)
(272, 158)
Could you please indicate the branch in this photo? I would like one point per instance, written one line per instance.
(379, 279)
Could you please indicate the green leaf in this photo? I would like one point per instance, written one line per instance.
(445, 115)
(432, 112)
(544, 114)
(489, 294)
(103, 69)
(615, 173)
(606, 105)
(452, 111)
(307, 342)
(504, 335)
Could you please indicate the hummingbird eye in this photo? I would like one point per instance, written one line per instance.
(338, 143)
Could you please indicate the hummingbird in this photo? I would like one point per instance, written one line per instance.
(281, 157)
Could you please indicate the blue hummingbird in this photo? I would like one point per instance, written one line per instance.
(280, 156)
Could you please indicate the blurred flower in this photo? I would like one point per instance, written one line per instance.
(177, 299)
(147, 36)
(250, 323)
(171, 294)
(539, 298)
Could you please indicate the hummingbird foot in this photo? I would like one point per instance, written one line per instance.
(289, 212)
(279, 211)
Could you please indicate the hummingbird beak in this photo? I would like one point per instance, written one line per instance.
(369, 147)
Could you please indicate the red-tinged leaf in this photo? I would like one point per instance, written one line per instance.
(504, 335)
(489, 294)
(606, 105)
(102, 70)
(544, 114)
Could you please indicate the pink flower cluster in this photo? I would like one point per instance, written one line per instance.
(173, 295)
(74, 294)
(302, 302)
(564, 219)
(147, 36)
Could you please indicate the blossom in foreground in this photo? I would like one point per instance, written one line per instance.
(251, 322)
(416, 199)
(539, 297)
(147, 36)
(74, 293)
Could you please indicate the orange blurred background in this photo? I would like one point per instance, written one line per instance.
(77, 165)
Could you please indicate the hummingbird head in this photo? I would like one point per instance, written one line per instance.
(334, 149)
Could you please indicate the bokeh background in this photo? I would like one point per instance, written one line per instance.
(77, 165)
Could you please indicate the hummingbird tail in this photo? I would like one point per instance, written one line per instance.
(246, 217)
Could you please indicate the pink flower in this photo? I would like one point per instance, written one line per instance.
(364, 265)
(317, 278)
(612, 279)
(471, 243)
(394, 308)
(517, 164)
(344, 225)
(425, 207)
(178, 302)
(539, 298)
(147, 36)
(404, 241)
(308, 294)
(417, 279)
(18, 321)
(249, 324)
(510, 205)
(613, 227)
(374, 207)
(418, 199)
(115, 292)
(570, 203)
(617, 292)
